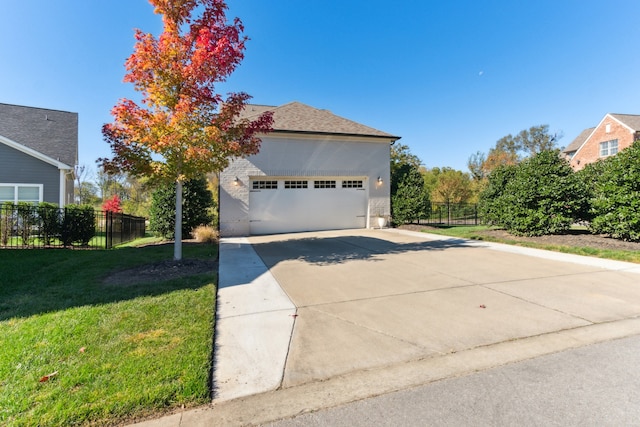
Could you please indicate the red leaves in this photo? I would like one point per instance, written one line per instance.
(183, 126)
(112, 205)
(483, 306)
(48, 377)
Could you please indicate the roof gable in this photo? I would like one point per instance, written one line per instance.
(34, 153)
(51, 133)
(299, 117)
(580, 139)
(632, 121)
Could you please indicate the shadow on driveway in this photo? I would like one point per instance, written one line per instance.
(332, 250)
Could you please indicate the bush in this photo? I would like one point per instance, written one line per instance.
(50, 221)
(205, 234)
(541, 195)
(409, 198)
(78, 225)
(197, 202)
(615, 202)
(494, 204)
(26, 215)
(6, 222)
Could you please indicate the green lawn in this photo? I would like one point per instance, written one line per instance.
(119, 352)
(475, 233)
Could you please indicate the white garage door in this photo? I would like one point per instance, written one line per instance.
(300, 204)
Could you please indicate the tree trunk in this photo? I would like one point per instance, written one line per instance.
(177, 245)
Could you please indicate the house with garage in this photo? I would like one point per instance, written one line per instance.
(315, 171)
(38, 153)
(614, 133)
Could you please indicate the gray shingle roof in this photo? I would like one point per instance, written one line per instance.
(631, 120)
(299, 117)
(53, 133)
(580, 139)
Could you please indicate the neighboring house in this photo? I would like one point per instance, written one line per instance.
(38, 152)
(314, 171)
(614, 133)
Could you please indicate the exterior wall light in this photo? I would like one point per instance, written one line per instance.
(236, 181)
(379, 180)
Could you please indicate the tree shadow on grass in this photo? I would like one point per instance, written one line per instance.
(41, 281)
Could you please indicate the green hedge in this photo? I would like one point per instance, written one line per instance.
(615, 194)
(541, 195)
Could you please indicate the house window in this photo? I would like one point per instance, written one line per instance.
(265, 185)
(295, 184)
(324, 184)
(352, 184)
(14, 193)
(608, 148)
(607, 128)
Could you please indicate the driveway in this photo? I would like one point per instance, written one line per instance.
(336, 316)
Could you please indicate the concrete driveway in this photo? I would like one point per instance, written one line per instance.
(330, 317)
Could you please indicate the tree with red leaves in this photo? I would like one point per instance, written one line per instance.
(112, 205)
(183, 128)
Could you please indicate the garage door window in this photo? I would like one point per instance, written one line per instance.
(265, 185)
(324, 184)
(296, 184)
(352, 184)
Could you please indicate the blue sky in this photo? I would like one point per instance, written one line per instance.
(450, 78)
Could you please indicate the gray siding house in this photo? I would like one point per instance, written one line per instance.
(38, 152)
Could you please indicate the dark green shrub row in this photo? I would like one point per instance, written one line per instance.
(541, 195)
(614, 185)
(73, 224)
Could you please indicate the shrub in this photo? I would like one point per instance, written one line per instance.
(50, 221)
(6, 222)
(78, 225)
(615, 203)
(409, 198)
(541, 195)
(494, 202)
(197, 202)
(26, 215)
(205, 234)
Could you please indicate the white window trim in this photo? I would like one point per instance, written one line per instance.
(15, 190)
(606, 147)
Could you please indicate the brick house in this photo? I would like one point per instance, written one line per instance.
(314, 171)
(614, 133)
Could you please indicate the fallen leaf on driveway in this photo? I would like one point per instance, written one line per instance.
(483, 306)
(47, 377)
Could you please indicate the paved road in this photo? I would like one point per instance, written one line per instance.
(597, 385)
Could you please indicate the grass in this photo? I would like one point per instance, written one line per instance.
(120, 352)
(475, 233)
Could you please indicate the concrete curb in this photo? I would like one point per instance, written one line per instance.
(606, 264)
(284, 403)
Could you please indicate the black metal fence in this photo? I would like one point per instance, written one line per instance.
(29, 226)
(451, 214)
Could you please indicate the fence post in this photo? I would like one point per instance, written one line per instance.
(108, 223)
